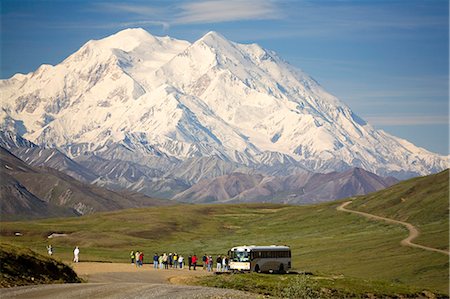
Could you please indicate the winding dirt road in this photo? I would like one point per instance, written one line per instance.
(413, 231)
(115, 280)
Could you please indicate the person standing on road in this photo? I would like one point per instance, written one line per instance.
(132, 256)
(175, 260)
(165, 261)
(170, 259)
(226, 260)
(160, 261)
(204, 260)
(194, 261)
(224, 264)
(141, 259)
(137, 255)
(190, 261)
(180, 261)
(210, 263)
(76, 252)
(219, 263)
(155, 261)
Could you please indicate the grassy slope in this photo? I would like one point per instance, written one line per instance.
(20, 266)
(323, 241)
(415, 201)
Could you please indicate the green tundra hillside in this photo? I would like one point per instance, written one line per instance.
(324, 241)
(423, 202)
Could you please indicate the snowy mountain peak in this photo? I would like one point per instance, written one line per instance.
(127, 40)
(213, 37)
(214, 97)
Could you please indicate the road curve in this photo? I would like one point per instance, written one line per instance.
(413, 231)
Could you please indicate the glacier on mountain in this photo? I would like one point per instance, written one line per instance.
(145, 99)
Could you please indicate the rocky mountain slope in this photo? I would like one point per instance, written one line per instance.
(40, 192)
(159, 102)
(293, 189)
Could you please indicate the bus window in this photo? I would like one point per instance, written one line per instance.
(240, 256)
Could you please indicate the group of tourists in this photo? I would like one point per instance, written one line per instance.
(137, 258)
(166, 261)
(221, 263)
(177, 261)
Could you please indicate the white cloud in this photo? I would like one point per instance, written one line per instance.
(142, 10)
(226, 10)
(408, 120)
(197, 12)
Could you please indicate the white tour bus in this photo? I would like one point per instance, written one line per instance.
(260, 258)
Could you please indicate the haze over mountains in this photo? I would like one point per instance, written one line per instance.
(157, 115)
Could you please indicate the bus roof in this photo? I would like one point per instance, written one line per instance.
(254, 247)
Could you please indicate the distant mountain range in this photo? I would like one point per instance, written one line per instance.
(40, 182)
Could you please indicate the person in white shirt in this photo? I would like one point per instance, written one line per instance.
(76, 252)
(180, 260)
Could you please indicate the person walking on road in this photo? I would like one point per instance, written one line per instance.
(76, 253)
(132, 256)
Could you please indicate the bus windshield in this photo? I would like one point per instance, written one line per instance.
(240, 256)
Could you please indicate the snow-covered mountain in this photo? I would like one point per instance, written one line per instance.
(158, 101)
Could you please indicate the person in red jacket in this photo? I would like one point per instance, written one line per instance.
(194, 261)
(141, 259)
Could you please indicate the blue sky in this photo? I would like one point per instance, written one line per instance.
(388, 60)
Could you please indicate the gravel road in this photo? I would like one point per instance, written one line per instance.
(114, 280)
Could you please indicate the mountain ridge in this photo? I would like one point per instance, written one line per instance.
(303, 188)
